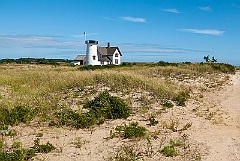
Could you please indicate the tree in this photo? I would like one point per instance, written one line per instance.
(213, 60)
(206, 58)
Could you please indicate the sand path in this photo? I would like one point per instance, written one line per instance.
(223, 139)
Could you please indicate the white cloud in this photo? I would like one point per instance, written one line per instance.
(38, 41)
(151, 48)
(16, 46)
(134, 19)
(173, 10)
(108, 18)
(206, 31)
(205, 8)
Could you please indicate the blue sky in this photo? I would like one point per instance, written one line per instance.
(144, 30)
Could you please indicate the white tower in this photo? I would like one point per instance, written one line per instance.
(91, 52)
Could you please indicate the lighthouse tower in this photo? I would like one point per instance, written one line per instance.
(91, 52)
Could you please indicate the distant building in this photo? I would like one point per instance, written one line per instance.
(79, 60)
(109, 55)
(96, 55)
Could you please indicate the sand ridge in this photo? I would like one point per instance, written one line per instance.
(215, 131)
(223, 139)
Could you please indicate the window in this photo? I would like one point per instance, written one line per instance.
(102, 62)
(94, 57)
(116, 61)
(116, 55)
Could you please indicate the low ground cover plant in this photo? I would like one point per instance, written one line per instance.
(19, 154)
(167, 104)
(109, 66)
(16, 115)
(127, 153)
(107, 106)
(152, 121)
(182, 97)
(42, 148)
(104, 106)
(133, 130)
(170, 151)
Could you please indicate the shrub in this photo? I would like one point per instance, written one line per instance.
(169, 151)
(167, 104)
(104, 106)
(17, 155)
(153, 121)
(127, 153)
(16, 115)
(181, 98)
(107, 106)
(25, 154)
(224, 68)
(42, 148)
(74, 119)
(131, 131)
(97, 67)
(16, 145)
(85, 120)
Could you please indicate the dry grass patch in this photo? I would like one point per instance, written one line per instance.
(153, 93)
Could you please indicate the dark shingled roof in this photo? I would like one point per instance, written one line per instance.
(80, 57)
(108, 51)
(104, 59)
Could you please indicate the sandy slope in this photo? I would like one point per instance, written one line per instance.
(218, 136)
(223, 137)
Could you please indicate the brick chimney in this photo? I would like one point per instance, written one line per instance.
(108, 45)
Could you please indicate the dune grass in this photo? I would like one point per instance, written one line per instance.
(44, 88)
(44, 93)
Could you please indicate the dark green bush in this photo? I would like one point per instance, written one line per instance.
(109, 66)
(17, 155)
(42, 148)
(163, 63)
(167, 104)
(169, 151)
(131, 131)
(96, 67)
(153, 121)
(104, 106)
(86, 120)
(16, 115)
(224, 68)
(107, 106)
(74, 119)
(25, 154)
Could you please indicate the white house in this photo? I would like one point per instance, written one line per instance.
(96, 55)
(109, 55)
